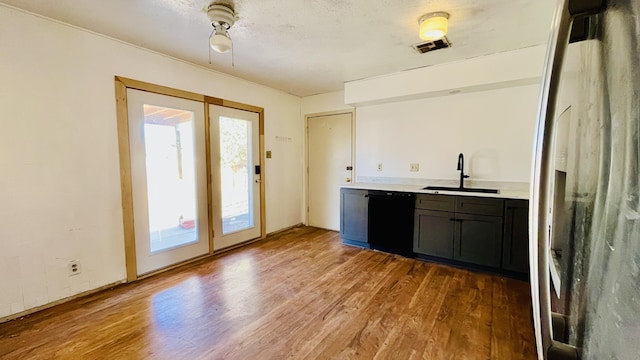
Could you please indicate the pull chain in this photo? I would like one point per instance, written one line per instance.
(209, 44)
(232, 53)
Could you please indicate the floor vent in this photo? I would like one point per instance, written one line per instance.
(425, 47)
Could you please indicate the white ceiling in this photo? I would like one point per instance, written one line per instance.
(307, 47)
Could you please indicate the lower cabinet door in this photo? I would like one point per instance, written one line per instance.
(478, 239)
(515, 248)
(433, 233)
(354, 214)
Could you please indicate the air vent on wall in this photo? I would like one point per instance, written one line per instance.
(427, 46)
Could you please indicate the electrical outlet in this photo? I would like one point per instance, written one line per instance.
(74, 268)
(415, 167)
(380, 167)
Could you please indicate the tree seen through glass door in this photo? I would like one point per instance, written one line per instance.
(236, 176)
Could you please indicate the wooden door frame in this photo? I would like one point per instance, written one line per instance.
(352, 112)
(122, 117)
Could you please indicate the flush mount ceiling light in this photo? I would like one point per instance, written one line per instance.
(222, 17)
(434, 26)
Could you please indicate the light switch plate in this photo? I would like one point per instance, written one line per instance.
(268, 154)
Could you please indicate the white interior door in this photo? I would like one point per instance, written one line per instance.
(329, 161)
(235, 162)
(168, 172)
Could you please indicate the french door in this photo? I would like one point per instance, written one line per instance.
(168, 179)
(191, 183)
(236, 175)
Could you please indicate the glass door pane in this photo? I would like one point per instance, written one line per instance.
(236, 180)
(235, 158)
(169, 181)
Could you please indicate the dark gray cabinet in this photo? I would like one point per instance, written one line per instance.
(433, 233)
(433, 225)
(435, 202)
(484, 231)
(478, 235)
(354, 214)
(479, 205)
(478, 239)
(515, 247)
(461, 228)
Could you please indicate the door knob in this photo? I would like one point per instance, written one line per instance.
(347, 179)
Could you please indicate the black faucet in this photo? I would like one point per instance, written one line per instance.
(461, 169)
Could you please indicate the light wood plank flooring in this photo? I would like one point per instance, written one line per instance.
(300, 294)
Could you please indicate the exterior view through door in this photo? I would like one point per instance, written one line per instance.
(329, 166)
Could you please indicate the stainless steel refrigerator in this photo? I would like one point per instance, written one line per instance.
(585, 195)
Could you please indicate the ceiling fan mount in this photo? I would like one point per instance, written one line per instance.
(221, 14)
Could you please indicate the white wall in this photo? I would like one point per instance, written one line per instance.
(484, 107)
(315, 104)
(494, 129)
(506, 69)
(60, 185)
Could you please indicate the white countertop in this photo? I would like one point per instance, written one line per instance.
(502, 192)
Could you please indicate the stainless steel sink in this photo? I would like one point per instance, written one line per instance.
(453, 188)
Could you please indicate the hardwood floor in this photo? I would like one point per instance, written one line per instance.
(298, 295)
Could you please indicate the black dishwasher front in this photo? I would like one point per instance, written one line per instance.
(391, 221)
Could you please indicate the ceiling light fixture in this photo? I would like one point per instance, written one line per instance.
(220, 40)
(222, 17)
(434, 26)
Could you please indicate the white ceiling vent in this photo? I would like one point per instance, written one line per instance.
(425, 47)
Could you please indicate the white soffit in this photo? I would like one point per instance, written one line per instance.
(511, 68)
